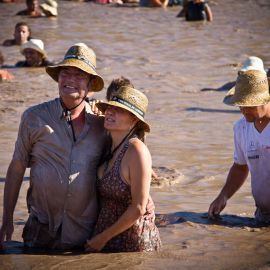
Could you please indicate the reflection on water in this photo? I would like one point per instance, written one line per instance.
(191, 140)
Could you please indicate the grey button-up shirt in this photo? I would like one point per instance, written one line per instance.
(63, 172)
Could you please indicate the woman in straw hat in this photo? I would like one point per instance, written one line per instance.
(124, 178)
(252, 143)
(35, 55)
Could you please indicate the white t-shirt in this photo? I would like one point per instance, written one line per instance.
(253, 148)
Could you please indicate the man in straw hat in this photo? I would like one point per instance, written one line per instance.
(62, 142)
(34, 53)
(252, 143)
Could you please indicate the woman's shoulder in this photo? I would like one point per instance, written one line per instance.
(137, 148)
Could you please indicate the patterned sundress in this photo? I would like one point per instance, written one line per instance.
(115, 198)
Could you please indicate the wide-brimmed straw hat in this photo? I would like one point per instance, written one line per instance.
(35, 44)
(80, 56)
(50, 6)
(253, 63)
(131, 100)
(251, 89)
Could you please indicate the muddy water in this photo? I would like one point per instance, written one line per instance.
(191, 140)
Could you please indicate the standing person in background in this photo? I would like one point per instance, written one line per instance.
(252, 143)
(35, 55)
(32, 10)
(196, 10)
(124, 178)
(22, 34)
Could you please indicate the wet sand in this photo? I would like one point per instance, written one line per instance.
(191, 141)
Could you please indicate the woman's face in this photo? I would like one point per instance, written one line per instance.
(21, 34)
(118, 119)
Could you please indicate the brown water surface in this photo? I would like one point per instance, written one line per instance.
(191, 139)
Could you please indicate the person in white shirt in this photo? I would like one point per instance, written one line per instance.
(252, 143)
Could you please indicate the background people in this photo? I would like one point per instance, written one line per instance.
(4, 74)
(32, 10)
(196, 10)
(124, 178)
(22, 34)
(35, 55)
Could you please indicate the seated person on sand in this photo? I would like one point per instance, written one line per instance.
(32, 9)
(124, 178)
(35, 55)
(4, 74)
(49, 8)
(196, 10)
(22, 33)
(154, 3)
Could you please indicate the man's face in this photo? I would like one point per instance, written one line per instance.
(32, 5)
(21, 34)
(32, 57)
(73, 83)
(253, 113)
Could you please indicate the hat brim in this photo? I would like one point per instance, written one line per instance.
(44, 54)
(97, 83)
(102, 106)
(47, 7)
(232, 100)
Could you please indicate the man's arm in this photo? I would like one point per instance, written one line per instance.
(235, 179)
(209, 13)
(13, 183)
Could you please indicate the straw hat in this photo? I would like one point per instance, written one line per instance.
(82, 57)
(50, 6)
(251, 89)
(253, 63)
(131, 100)
(35, 44)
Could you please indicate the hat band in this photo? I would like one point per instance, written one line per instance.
(129, 105)
(73, 56)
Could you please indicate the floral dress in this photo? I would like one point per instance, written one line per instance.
(115, 198)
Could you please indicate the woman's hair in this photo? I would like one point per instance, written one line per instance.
(139, 131)
(19, 24)
(116, 84)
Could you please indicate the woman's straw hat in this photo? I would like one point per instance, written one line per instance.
(35, 44)
(82, 57)
(50, 6)
(131, 100)
(251, 89)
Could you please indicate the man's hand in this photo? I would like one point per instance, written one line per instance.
(217, 206)
(150, 210)
(6, 232)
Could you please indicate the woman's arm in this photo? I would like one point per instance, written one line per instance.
(139, 164)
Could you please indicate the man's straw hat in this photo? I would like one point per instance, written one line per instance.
(251, 89)
(35, 44)
(50, 6)
(131, 100)
(82, 57)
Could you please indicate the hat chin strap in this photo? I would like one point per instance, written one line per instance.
(67, 114)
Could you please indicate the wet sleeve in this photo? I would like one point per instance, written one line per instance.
(23, 145)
